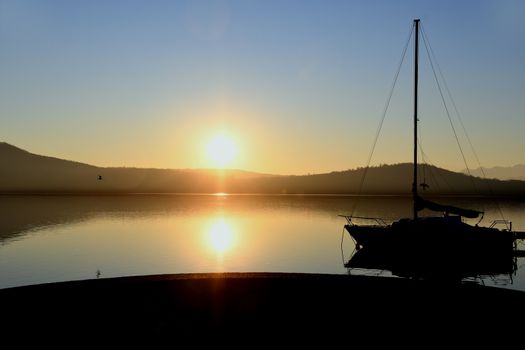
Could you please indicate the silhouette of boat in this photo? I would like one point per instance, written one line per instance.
(417, 238)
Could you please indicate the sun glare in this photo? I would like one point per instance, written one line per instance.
(220, 236)
(221, 150)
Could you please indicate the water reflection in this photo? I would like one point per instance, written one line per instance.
(54, 238)
(445, 266)
(221, 236)
(21, 215)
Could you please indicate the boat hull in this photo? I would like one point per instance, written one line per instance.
(445, 235)
(433, 248)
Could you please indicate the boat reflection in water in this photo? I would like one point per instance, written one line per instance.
(443, 267)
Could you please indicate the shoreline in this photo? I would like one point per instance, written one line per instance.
(189, 305)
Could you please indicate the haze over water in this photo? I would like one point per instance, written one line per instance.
(62, 238)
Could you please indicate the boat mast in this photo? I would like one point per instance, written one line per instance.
(416, 57)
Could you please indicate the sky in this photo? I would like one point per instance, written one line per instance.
(295, 87)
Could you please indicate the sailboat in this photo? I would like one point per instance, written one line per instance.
(446, 235)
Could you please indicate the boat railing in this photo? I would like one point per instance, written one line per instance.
(378, 221)
(518, 235)
(507, 223)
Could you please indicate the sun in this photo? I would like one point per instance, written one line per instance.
(221, 150)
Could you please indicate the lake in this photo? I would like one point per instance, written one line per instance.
(63, 238)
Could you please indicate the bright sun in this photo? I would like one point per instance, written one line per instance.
(221, 150)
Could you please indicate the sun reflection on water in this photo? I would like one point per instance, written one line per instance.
(221, 236)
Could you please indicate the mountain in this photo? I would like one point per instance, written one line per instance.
(390, 180)
(21, 171)
(516, 172)
(24, 172)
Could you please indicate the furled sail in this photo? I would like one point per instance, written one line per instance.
(448, 209)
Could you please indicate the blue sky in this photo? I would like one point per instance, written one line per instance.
(298, 85)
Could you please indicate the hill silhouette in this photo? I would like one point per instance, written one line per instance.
(515, 172)
(24, 172)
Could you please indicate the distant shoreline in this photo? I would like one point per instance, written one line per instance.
(27, 173)
(349, 195)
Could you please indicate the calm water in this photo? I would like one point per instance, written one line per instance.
(61, 238)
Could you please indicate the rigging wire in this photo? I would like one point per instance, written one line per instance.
(449, 94)
(447, 111)
(380, 126)
(432, 170)
(422, 157)
(427, 167)
(434, 174)
(432, 58)
(342, 250)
